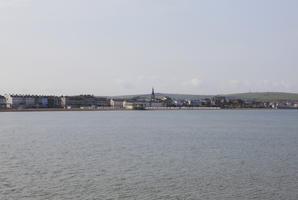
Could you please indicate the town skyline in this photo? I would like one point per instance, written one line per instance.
(146, 93)
(153, 101)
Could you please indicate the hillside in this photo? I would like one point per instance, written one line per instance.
(258, 96)
(159, 95)
(266, 96)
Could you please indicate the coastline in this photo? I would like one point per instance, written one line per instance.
(123, 109)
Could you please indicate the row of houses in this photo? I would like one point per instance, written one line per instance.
(69, 102)
(29, 101)
(38, 101)
(91, 101)
(84, 101)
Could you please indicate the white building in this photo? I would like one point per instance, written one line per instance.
(116, 103)
(25, 101)
(135, 104)
(15, 101)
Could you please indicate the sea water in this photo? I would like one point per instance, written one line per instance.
(225, 154)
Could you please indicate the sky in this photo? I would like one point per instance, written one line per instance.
(117, 47)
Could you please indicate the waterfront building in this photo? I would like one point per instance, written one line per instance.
(79, 101)
(194, 103)
(157, 104)
(20, 101)
(167, 101)
(177, 103)
(206, 102)
(2, 102)
(41, 102)
(117, 103)
(14, 101)
(221, 100)
(34, 101)
(26, 101)
(54, 102)
(102, 102)
(136, 104)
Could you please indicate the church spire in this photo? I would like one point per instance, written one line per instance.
(152, 94)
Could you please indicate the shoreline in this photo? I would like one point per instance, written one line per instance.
(123, 109)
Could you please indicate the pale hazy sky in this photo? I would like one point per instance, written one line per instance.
(114, 47)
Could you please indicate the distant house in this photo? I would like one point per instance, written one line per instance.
(55, 102)
(41, 102)
(14, 101)
(156, 104)
(194, 103)
(287, 105)
(117, 103)
(135, 104)
(178, 103)
(3, 102)
(220, 100)
(78, 101)
(167, 101)
(26, 101)
(206, 102)
(236, 103)
(102, 102)
(20, 101)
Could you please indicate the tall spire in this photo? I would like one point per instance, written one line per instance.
(152, 94)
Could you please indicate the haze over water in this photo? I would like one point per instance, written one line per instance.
(149, 155)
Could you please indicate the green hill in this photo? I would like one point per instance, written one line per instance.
(257, 96)
(266, 96)
(159, 95)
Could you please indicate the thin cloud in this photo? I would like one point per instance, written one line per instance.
(194, 82)
(234, 83)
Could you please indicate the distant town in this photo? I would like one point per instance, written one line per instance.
(11, 102)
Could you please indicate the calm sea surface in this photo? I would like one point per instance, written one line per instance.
(149, 155)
